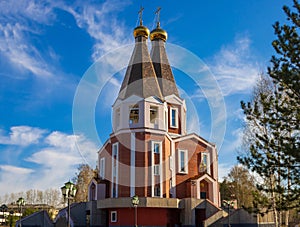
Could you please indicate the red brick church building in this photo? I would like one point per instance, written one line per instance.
(150, 154)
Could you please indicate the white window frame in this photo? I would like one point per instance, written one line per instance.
(159, 147)
(207, 167)
(102, 168)
(185, 171)
(156, 170)
(113, 214)
(171, 117)
(153, 176)
(113, 146)
(154, 108)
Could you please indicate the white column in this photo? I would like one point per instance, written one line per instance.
(132, 164)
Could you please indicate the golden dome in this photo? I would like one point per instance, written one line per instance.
(141, 31)
(158, 33)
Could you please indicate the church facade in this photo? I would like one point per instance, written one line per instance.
(149, 154)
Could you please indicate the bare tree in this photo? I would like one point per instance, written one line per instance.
(82, 180)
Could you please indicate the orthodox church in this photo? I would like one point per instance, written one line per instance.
(149, 156)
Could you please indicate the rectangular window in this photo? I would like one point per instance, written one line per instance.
(134, 114)
(174, 117)
(102, 168)
(157, 190)
(182, 161)
(156, 169)
(153, 114)
(204, 160)
(113, 216)
(115, 150)
(204, 165)
(156, 148)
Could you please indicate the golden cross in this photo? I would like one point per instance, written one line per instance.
(141, 15)
(157, 12)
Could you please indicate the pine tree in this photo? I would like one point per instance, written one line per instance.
(285, 71)
(273, 120)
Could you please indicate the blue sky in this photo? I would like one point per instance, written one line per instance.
(47, 47)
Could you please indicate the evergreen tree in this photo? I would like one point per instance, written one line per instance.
(285, 71)
(273, 119)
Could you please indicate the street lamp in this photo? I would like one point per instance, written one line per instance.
(21, 203)
(69, 192)
(135, 202)
(228, 203)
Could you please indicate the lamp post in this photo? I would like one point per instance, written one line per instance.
(69, 192)
(21, 203)
(135, 202)
(228, 203)
(11, 213)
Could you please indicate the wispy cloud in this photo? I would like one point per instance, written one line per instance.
(19, 21)
(55, 155)
(236, 67)
(14, 178)
(15, 170)
(101, 23)
(23, 21)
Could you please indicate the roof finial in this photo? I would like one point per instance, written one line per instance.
(157, 12)
(141, 15)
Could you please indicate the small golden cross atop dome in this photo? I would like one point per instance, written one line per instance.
(157, 12)
(141, 30)
(158, 32)
(141, 15)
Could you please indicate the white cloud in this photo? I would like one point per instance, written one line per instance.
(22, 135)
(14, 178)
(101, 23)
(36, 10)
(235, 142)
(22, 20)
(55, 156)
(235, 67)
(193, 124)
(15, 170)
(224, 169)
